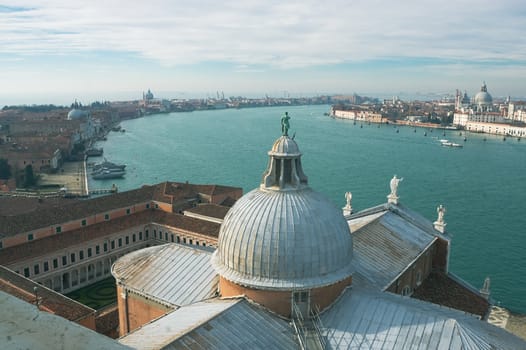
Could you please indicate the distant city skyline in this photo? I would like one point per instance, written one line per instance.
(59, 51)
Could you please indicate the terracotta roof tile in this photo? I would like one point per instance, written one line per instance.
(68, 211)
(212, 210)
(67, 239)
(24, 216)
(190, 224)
(64, 240)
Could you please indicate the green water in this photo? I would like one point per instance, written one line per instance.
(482, 184)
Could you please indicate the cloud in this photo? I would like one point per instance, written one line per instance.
(272, 33)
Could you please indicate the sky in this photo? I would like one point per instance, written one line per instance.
(56, 51)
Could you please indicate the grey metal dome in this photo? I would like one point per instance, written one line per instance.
(285, 146)
(284, 235)
(76, 114)
(483, 97)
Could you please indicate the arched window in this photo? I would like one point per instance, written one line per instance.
(418, 277)
(406, 290)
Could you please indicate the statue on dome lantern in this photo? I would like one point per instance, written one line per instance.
(285, 124)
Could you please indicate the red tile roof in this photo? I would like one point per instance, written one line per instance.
(24, 216)
(64, 240)
(212, 210)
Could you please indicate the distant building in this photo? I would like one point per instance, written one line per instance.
(481, 115)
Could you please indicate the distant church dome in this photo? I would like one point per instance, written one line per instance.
(76, 114)
(483, 99)
(283, 235)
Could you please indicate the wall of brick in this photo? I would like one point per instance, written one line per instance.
(415, 274)
(135, 310)
(280, 302)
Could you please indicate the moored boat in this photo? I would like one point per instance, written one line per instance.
(108, 165)
(108, 174)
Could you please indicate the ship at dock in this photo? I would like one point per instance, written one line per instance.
(108, 170)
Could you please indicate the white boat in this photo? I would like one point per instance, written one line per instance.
(451, 144)
(108, 174)
(108, 165)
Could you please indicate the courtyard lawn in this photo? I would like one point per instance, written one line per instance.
(97, 295)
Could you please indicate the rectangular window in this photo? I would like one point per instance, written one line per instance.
(112, 244)
(156, 205)
(58, 229)
(184, 240)
(55, 263)
(106, 246)
(147, 234)
(127, 240)
(72, 257)
(178, 239)
(134, 237)
(166, 236)
(83, 222)
(154, 234)
(64, 260)
(147, 205)
(30, 237)
(97, 249)
(172, 237)
(140, 236)
(106, 216)
(191, 242)
(301, 297)
(26, 271)
(46, 266)
(120, 242)
(89, 252)
(81, 255)
(128, 211)
(36, 269)
(204, 244)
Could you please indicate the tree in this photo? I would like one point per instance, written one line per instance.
(5, 169)
(29, 176)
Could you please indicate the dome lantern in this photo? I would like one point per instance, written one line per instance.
(284, 171)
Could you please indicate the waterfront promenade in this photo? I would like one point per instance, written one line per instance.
(72, 176)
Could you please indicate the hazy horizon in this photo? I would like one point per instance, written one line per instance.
(57, 51)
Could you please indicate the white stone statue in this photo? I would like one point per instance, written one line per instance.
(441, 211)
(440, 224)
(347, 210)
(394, 186)
(348, 198)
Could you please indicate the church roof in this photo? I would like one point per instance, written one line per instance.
(386, 243)
(367, 319)
(171, 274)
(24, 326)
(361, 318)
(215, 324)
